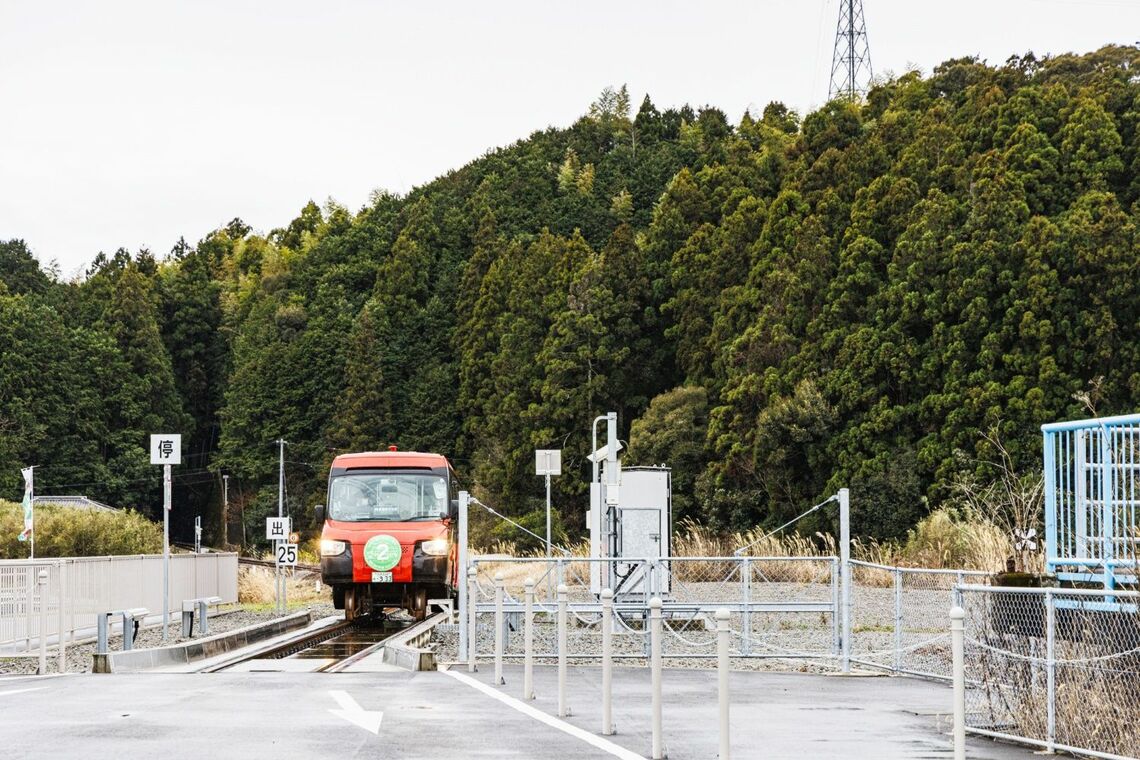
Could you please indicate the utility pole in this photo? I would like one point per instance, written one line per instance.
(281, 479)
(281, 597)
(226, 509)
(851, 60)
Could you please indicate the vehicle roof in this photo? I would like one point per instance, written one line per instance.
(365, 459)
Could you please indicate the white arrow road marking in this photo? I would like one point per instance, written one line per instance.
(19, 691)
(369, 720)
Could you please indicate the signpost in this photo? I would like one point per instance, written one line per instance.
(281, 596)
(166, 450)
(286, 554)
(276, 528)
(279, 531)
(548, 462)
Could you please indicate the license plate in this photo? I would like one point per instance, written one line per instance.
(381, 577)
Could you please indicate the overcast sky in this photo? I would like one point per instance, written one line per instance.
(133, 123)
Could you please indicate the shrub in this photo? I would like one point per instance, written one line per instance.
(257, 587)
(69, 532)
(950, 540)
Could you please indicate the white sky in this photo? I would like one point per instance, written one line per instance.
(132, 123)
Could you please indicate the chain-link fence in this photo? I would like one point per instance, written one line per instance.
(1059, 668)
(898, 617)
(780, 607)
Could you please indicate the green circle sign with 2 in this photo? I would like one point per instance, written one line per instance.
(382, 552)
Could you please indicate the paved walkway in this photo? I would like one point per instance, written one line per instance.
(437, 715)
(774, 716)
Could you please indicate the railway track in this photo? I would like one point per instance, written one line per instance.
(271, 563)
(328, 649)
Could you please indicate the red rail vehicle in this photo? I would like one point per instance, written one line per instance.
(388, 536)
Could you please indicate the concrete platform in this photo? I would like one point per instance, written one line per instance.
(434, 714)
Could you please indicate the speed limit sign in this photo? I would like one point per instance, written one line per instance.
(286, 555)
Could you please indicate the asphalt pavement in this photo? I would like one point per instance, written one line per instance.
(441, 715)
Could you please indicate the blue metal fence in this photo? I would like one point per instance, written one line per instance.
(1092, 501)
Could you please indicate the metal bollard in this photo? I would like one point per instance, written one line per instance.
(61, 595)
(655, 674)
(101, 633)
(130, 628)
(722, 637)
(187, 624)
(472, 628)
(498, 628)
(528, 640)
(41, 581)
(607, 662)
(562, 710)
(958, 650)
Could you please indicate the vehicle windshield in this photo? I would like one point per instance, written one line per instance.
(388, 497)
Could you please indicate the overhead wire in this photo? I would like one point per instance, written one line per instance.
(834, 497)
(179, 477)
(473, 500)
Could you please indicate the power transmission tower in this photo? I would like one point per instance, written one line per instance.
(851, 61)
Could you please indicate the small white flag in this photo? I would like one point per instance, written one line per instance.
(27, 532)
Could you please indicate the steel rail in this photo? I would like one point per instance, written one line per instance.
(294, 644)
(411, 631)
(271, 563)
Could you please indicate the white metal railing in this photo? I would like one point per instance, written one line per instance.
(78, 588)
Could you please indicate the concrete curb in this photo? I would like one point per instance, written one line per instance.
(408, 649)
(137, 660)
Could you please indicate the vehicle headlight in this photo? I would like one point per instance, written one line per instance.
(436, 547)
(332, 548)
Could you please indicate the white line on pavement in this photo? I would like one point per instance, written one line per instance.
(19, 691)
(550, 720)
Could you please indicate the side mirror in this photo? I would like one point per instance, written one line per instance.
(453, 509)
(319, 511)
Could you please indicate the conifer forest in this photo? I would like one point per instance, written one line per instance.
(776, 304)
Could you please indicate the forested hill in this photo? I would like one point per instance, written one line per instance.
(776, 307)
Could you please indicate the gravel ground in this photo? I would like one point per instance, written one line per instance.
(79, 657)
